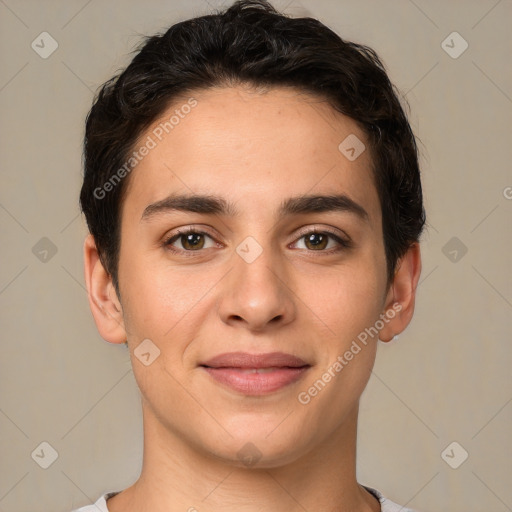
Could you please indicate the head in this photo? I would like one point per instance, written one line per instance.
(286, 153)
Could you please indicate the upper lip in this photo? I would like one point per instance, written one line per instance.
(246, 360)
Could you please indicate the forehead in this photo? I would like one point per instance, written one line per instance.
(254, 147)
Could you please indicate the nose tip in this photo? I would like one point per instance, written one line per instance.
(255, 297)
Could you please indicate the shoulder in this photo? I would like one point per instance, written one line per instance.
(100, 505)
(386, 504)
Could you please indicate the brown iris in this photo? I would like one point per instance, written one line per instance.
(317, 240)
(192, 241)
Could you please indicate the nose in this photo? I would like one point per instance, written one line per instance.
(257, 295)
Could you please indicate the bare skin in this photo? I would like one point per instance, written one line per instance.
(308, 299)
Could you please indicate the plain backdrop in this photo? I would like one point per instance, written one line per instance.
(446, 379)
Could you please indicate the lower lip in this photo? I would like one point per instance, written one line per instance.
(256, 383)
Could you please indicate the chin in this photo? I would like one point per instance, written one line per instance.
(255, 456)
(256, 444)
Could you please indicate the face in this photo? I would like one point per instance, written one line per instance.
(252, 292)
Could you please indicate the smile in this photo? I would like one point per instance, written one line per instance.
(256, 374)
(256, 381)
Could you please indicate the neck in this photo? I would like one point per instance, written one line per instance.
(177, 477)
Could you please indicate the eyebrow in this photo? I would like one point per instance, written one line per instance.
(215, 205)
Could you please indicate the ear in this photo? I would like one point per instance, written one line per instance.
(399, 303)
(103, 301)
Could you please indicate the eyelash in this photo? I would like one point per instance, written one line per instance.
(344, 243)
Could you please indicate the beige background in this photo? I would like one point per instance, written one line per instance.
(447, 378)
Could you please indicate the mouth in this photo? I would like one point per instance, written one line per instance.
(256, 374)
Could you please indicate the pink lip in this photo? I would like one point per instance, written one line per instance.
(239, 371)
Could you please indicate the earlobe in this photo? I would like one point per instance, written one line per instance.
(401, 296)
(103, 301)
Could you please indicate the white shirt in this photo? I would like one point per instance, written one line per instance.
(385, 504)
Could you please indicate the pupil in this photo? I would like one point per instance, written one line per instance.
(193, 239)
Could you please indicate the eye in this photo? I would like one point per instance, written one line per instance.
(191, 240)
(315, 240)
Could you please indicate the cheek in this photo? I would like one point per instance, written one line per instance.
(155, 295)
(162, 304)
(347, 298)
(167, 304)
